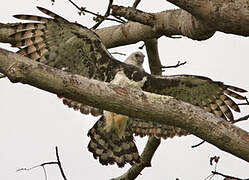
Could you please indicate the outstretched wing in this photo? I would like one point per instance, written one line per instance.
(64, 45)
(76, 49)
(212, 96)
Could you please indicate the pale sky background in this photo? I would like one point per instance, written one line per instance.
(33, 121)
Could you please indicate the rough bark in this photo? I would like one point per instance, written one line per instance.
(131, 102)
(225, 16)
(168, 23)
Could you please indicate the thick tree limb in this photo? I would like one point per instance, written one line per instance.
(130, 102)
(225, 16)
(169, 23)
(153, 56)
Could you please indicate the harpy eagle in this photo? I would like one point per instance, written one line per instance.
(64, 45)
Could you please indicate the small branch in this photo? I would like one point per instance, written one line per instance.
(194, 146)
(215, 159)
(174, 66)
(59, 164)
(34, 167)
(45, 173)
(84, 10)
(135, 4)
(41, 165)
(48, 163)
(227, 176)
(133, 14)
(107, 13)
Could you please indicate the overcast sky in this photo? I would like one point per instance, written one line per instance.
(33, 121)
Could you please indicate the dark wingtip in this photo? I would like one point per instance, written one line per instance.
(237, 89)
(50, 13)
(44, 10)
(40, 8)
(17, 16)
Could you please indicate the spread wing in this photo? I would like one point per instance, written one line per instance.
(64, 45)
(212, 96)
(74, 48)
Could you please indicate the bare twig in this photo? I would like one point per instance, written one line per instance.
(174, 66)
(141, 47)
(84, 10)
(107, 13)
(214, 159)
(59, 164)
(133, 14)
(41, 165)
(135, 4)
(196, 145)
(45, 173)
(48, 163)
(227, 176)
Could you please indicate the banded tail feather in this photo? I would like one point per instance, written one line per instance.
(109, 148)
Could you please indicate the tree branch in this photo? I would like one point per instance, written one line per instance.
(153, 56)
(174, 66)
(225, 16)
(48, 163)
(83, 10)
(144, 105)
(227, 177)
(168, 23)
(135, 4)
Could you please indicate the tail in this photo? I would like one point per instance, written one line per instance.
(110, 148)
